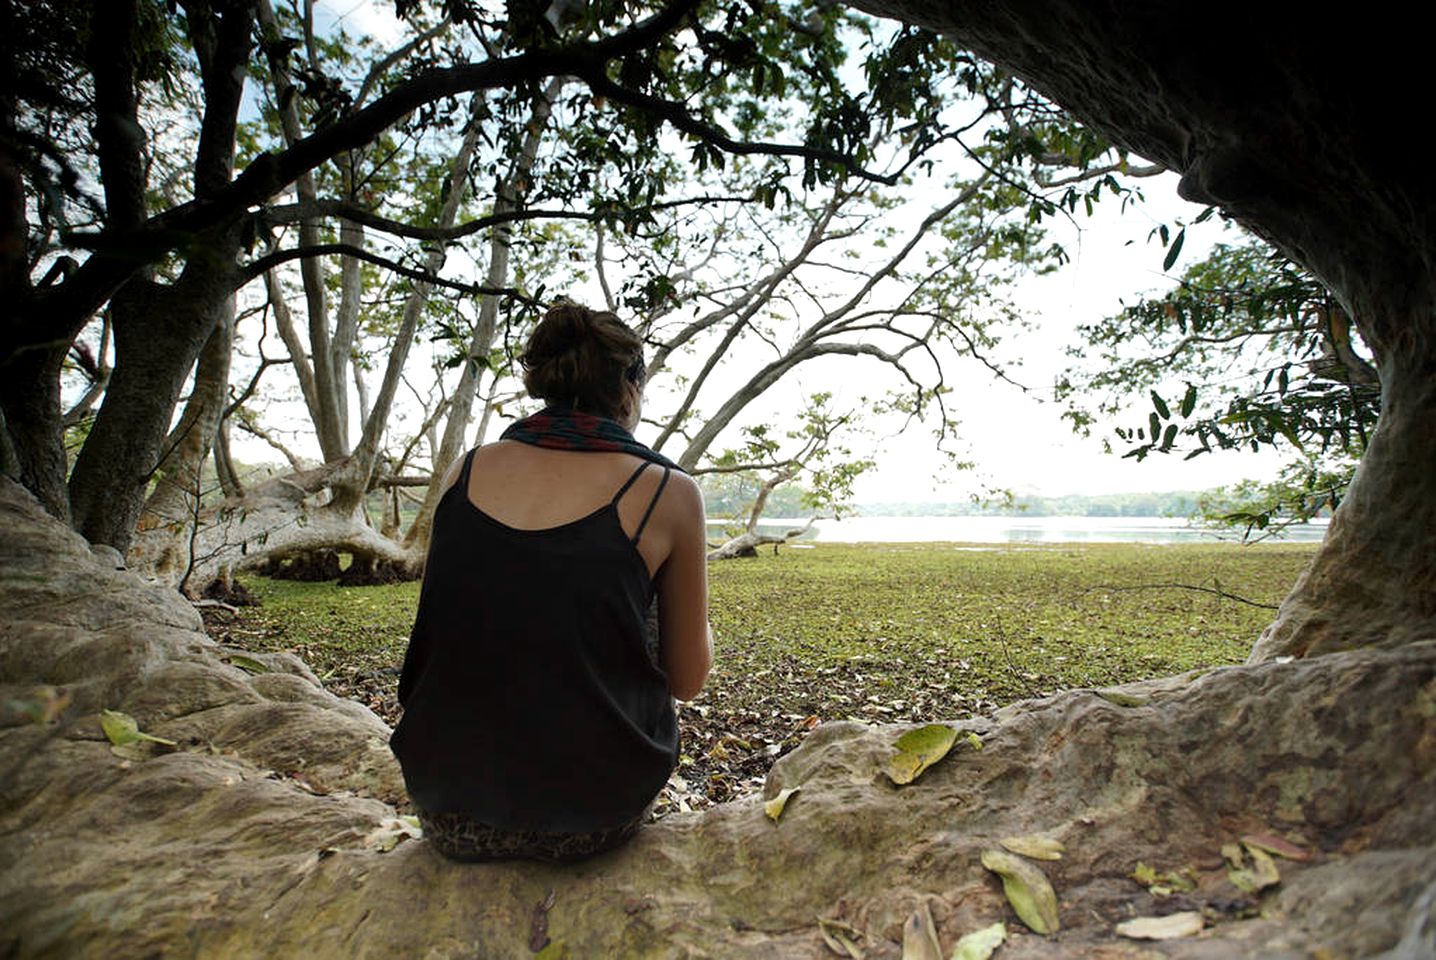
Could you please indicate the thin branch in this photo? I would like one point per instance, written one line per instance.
(1218, 591)
(744, 467)
(249, 426)
(394, 56)
(595, 75)
(269, 261)
(350, 210)
(1092, 173)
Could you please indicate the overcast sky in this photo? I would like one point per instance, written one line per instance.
(1020, 442)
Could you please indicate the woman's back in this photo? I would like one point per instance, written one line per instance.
(538, 701)
(529, 679)
(534, 488)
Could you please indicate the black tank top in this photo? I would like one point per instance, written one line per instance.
(531, 698)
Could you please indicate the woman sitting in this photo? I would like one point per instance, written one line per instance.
(538, 713)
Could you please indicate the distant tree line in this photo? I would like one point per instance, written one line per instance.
(1173, 504)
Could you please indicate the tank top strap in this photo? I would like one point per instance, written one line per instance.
(651, 504)
(629, 482)
(463, 482)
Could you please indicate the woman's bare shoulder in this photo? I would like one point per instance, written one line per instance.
(686, 495)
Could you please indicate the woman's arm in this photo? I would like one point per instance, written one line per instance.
(685, 646)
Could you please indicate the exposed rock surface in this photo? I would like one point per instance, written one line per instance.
(263, 834)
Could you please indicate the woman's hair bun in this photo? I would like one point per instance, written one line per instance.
(585, 358)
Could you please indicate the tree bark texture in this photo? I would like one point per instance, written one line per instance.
(1286, 121)
(270, 827)
(30, 397)
(283, 517)
(179, 479)
(159, 332)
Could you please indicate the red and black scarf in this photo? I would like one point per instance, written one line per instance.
(562, 428)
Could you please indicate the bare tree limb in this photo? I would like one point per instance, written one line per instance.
(269, 261)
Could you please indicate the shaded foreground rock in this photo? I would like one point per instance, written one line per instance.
(265, 832)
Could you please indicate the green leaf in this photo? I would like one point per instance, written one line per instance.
(1035, 846)
(121, 729)
(774, 807)
(247, 664)
(1175, 249)
(919, 749)
(1164, 884)
(1122, 699)
(1189, 402)
(1028, 890)
(980, 944)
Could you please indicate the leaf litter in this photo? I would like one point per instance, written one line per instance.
(841, 938)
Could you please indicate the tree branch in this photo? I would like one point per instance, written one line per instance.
(269, 261)
(349, 210)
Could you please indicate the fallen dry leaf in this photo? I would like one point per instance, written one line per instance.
(841, 938)
(1262, 874)
(1120, 699)
(1277, 846)
(774, 808)
(919, 936)
(1173, 926)
(1035, 846)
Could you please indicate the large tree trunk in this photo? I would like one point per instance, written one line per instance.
(1286, 122)
(1373, 583)
(30, 399)
(283, 518)
(159, 329)
(179, 481)
(159, 332)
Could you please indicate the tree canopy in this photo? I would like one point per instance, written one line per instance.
(1247, 351)
(184, 169)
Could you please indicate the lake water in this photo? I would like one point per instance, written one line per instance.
(1020, 530)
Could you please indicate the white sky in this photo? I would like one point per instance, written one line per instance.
(1017, 440)
(1020, 442)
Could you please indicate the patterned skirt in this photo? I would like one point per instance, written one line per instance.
(460, 838)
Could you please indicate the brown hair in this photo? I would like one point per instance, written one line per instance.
(585, 358)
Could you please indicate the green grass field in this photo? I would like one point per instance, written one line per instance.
(995, 623)
(871, 632)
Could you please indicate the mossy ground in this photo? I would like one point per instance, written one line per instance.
(871, 632)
